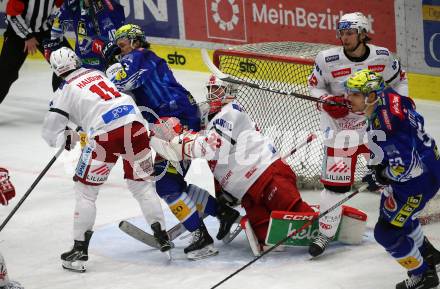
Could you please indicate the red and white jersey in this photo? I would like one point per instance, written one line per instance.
(90, 100)
(333, 68)
(237, 152)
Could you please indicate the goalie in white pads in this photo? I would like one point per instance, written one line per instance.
(244, 162)
(115, 128)
(7, 192)
(332, 69)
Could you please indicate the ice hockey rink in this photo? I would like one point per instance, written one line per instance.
(42, 228)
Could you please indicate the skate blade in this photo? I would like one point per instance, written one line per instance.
(75, 266)
(203, 253)
(168, 253)
(232, 234)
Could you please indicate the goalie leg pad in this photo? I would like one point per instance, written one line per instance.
(251, 237)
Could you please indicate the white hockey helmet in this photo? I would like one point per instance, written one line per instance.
(355, 20)
(64, 60)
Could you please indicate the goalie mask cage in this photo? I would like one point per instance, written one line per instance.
(286, 119)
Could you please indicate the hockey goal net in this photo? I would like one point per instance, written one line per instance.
(286, 119)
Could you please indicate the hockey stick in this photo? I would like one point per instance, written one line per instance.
(309, 139)
(34, 184)
(306, 225)
(228, 78)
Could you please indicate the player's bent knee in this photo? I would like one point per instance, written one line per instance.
(386, 233)
(86, 192)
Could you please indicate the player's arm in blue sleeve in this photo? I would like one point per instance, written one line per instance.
(133, 73)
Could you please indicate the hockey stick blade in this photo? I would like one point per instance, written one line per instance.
(228, 78)
(138, 234)
(295, 232)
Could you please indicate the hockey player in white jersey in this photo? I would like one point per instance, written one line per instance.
(244, 162)
(7, 192)
(115, 128)
(344, 130)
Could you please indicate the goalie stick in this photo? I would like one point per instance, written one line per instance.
(148, 239)
(305, 226)
(228, 78)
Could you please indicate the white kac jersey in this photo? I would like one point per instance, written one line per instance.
(238, 154)
(88, 99)
(333, 68)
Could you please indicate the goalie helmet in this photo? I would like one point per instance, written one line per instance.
(219, 93)
(365, 81)
(355, 20)
(64, 60)
(131, 32)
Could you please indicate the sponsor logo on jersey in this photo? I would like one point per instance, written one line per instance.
(225, 178)
(84, 161)
(338, 170)
(341, 72)
(98, 175)
(407, 210)
(382, 52)
(250, 172)
(390, 203)
(376, 123)
(223, 123)
(325, 226)
(237, 107)
(117, 113)
(386, 119)
(331, 58)
(376, 68)
(396, 105)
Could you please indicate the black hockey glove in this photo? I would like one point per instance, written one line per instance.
(375, 178)
(72, 137)
(109, 52)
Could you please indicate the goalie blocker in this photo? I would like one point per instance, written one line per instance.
(350, 230)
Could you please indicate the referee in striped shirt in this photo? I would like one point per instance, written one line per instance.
(29, 24)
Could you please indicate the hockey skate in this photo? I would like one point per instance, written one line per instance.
(227, 217)
(317, 247)
(161, 237)
(427, 280)
(74, 260)
(431, 255)
(201, 245)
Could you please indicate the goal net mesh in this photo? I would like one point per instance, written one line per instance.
(288, 120)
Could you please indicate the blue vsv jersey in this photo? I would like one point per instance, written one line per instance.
(97, 22)
(153, 85)
(408, 150)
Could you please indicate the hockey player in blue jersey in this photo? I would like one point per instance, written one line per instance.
(161, 97)
(94, 23)
(407, 167)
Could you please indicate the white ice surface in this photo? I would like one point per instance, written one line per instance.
(42, 228)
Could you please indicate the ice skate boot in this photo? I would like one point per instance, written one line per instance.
(227, 217)
(201, 245)
(317, 247)
(74, 260)
(161, 237)
(427, 280)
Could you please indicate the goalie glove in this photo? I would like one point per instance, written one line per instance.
(7, 190)
(178, 149)
(332, 108)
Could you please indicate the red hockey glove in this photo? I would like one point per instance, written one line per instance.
(335, 111)
(7, 190)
